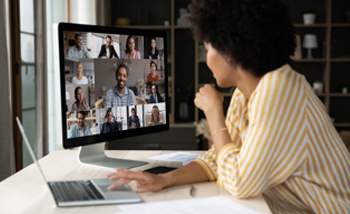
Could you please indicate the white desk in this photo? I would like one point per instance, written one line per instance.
(26, 192)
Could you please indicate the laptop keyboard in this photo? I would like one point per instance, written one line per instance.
(75, 190)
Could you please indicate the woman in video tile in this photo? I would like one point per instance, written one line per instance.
(133, 120)
(80, 103)
(155, 117)
(110, 123)
(79, 78)
(155, 97)
(131, 51)
(153, 52)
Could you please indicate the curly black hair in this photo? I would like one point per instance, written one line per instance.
(258, 35)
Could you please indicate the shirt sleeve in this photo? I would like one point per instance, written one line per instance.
(107, 102)
(74, 107)
(273, 146)
(70, 53)
(133, 99)
(208, 163)
(87, 55)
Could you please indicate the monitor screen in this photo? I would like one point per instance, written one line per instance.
(114, 83)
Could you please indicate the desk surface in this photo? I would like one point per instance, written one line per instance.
(26, 191)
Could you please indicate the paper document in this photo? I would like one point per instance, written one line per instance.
(182, 157)
(210, 205)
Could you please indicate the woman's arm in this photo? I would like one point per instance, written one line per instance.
(190, 173)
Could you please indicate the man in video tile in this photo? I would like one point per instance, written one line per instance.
(78, 50)
(110, 123)
(120, 95)
(80, 129)
(107, 50)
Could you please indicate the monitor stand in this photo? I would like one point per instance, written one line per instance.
(94, 155)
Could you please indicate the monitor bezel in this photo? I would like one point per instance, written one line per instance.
(88, 140)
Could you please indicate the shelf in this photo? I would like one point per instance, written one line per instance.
(299, 25)
(340, 24)
(310, 60)
(341, 59)
(202, 61)
(147, 26)
(183, 27)
(170, 61)
(321, 95)
(342, 124)
(339, 95)
(184, 125)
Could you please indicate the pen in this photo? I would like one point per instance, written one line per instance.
(191, 190)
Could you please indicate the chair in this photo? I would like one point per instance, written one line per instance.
(99, 103)
(139, 100)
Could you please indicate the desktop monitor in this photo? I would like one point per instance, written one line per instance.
(114, 85)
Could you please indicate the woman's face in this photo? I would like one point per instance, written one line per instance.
(153, 43)
(155, 114)
(222, 70)
(153, 67)
(109, 117)
(131, 44)
(133, 113)
(80, 94)
(80, 68)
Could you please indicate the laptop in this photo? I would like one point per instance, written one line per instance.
(84, 192)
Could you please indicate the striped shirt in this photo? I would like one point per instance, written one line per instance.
(114, 99)
(285, 147)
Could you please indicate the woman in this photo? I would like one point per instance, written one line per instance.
(131, 49)
(152, 76)
(110, 123)
(277, 140)
(80, 78)
(153, 52)
(155, 117)
(155, 97)
(133, 120)
(80, 103)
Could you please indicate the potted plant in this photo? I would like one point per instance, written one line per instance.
(309, 16)
(166, 21)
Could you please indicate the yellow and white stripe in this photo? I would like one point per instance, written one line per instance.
(285, 147)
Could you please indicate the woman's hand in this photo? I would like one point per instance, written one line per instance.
(114, 118)
(208, 99)
(143, 179)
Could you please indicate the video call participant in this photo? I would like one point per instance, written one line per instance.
(155, 97)
(78, 50)
(80, 78)
(152, 76)
(80, 103)
(155, 117)
(131, 51)
(80, 129)
(133, 120)
(120, 95)
(107, 50)
(110, 123)
(277, 139)
(153, 52)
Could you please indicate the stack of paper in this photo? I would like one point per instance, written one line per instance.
(182, 157)
(210, 205)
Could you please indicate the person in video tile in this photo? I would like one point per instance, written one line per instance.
(153, 52)
(155, 117)
(131, 51)
(80, 78)
(152, 76)
(133, 120)
(78, 50)
(155, 97)
(80, 129)
(120, 95)
(110, 123)
(80, 103)
(107, 50)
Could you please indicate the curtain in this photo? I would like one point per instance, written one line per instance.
(7, 153)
